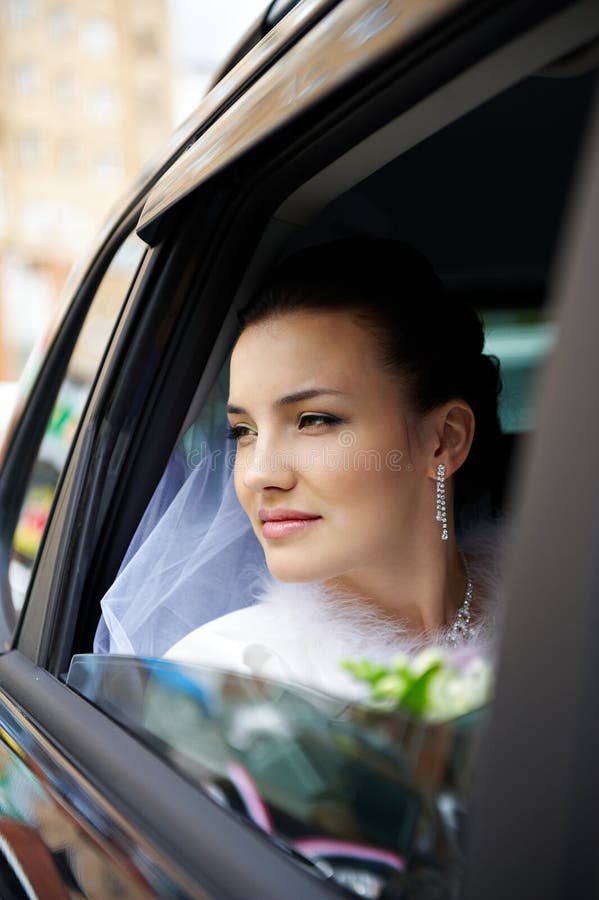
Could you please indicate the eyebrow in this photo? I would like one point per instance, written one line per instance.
(296, 397)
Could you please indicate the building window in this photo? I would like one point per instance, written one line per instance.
(103, 102)
(27, 77)
(39, 221)
(66, 89)
(30, 148)
(22, 12)
(61, 22)
(99, 36)
(108, 164)
(69, 155)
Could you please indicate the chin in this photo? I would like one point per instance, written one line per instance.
(292, 574)
(296, 570)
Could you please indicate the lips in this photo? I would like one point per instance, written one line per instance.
(279, 523)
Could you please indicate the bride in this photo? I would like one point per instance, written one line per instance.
(363, 412)
(363, 416)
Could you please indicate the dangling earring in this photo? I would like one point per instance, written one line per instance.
(441, 510)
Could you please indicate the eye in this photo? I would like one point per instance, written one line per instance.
(235, 432)
(317, 420)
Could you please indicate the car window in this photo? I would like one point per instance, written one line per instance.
(66, 413)
(521, 340)
(195, 490)
(498, 263)
(372, 798)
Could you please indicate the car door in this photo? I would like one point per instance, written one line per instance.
(132, 813)
(536, 809)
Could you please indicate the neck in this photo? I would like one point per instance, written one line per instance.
(423, 588)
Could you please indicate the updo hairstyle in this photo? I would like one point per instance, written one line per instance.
(432, 341)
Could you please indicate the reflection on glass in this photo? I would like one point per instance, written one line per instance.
(373, 800)
(67, 412)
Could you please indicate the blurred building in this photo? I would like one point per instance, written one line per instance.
(85, 99)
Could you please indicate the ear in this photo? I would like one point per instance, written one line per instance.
(453, 426)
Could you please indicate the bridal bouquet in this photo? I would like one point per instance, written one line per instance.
(436, 685)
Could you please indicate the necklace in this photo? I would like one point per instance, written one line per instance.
(461, 628)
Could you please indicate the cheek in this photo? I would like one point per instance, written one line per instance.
(355, 480)
(364, 482)
(243, 493)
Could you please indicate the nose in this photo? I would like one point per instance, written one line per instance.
(267, 468)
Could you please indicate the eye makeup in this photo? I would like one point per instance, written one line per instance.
(235, 432)
(304, 421)
(316, 420)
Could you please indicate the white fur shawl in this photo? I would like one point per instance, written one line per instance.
(302, 632)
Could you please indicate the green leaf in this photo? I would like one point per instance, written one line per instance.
(415, 699)
(364, 670)
(427, 685)
(391, 687)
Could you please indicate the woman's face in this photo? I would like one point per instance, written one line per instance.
(329, 467)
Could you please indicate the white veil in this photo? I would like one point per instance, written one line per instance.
(194, 556)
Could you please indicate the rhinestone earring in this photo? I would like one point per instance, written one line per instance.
(441, 510)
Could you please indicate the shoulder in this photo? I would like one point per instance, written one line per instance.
(276, 639)
(223, 637)
(302, 632)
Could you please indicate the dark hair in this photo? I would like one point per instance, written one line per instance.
(435, 341)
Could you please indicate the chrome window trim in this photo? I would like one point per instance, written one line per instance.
(208, 106)
(346, 41)
(233, 81)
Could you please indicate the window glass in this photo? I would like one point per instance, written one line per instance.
(61, 22)
(31, 148)
(22, 12)
(69, 155)
(103, 102)
(108, 163)
(27, 77)
(99, 36)
(374, 799)
(66, 89)
(521, 340)
(66, 414)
